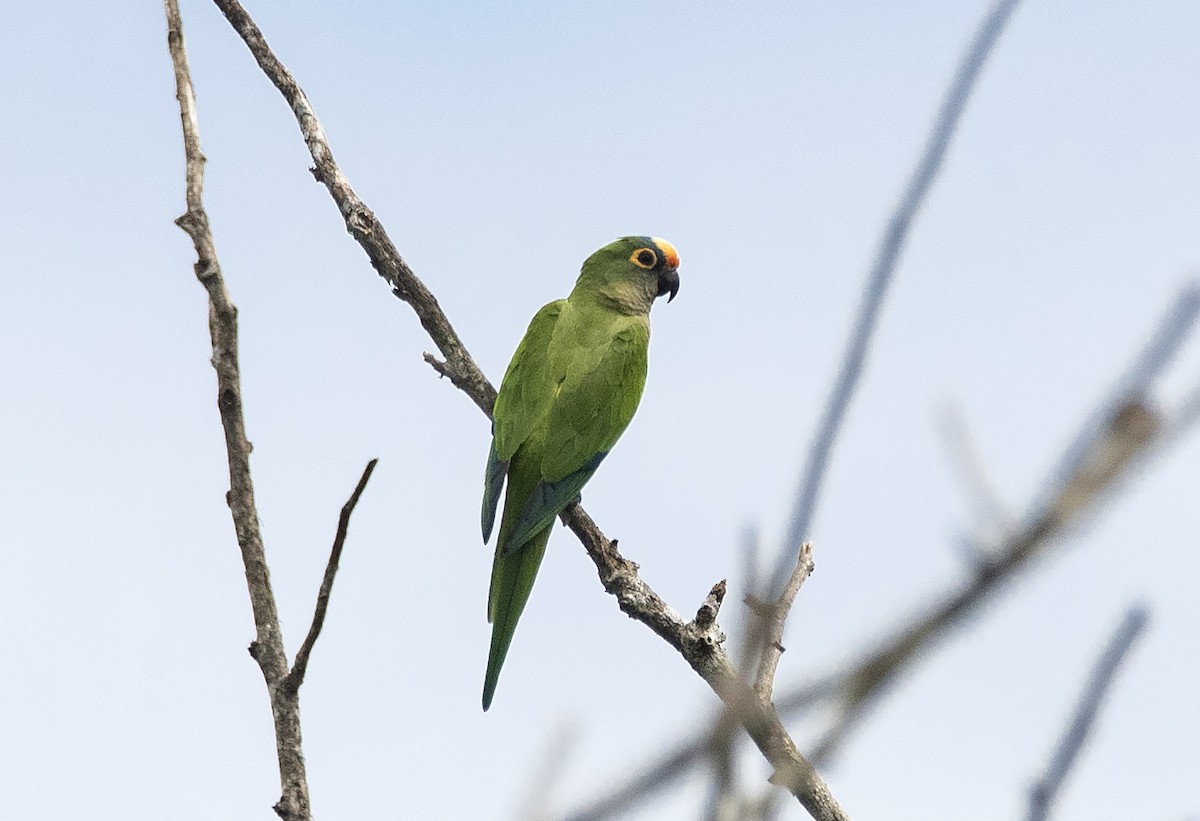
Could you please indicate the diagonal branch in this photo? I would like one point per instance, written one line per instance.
(360, 220)
(296, 677)
(1046, 790)
(267, 648)
(699, 641)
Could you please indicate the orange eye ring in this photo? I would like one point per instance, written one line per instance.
(644, 258)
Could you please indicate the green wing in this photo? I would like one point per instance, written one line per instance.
(547, 500)
(523, 400)
(600, 394)
(493, 483)
(601, 387)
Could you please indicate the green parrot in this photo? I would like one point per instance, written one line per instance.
(567, 396)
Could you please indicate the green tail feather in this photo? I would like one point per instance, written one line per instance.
(512, 579)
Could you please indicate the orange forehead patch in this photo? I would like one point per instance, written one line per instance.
(669, 253)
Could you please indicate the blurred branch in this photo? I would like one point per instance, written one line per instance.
(723, 791)
(648, 781)
(296, 677)
(698, 641)
(721, 748)
(965, 461)
(536, 805)
(1046, 790)
(890, 247)
(1123, 435)
(267, 648)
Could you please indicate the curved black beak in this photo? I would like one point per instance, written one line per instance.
(668, 283)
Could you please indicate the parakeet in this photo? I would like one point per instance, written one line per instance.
(567, 396)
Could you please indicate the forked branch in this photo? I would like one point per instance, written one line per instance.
(267, 649)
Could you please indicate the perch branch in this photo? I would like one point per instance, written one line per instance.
(296, 677)
(267, 647)
(698, 641)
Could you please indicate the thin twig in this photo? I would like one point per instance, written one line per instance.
(967, 464)
(697, 642)
(890, 248)
(267, 648)
(296, 677)
(1069, 746)
(644, 783)
(773, 623)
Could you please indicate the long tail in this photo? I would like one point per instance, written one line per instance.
(512, 579)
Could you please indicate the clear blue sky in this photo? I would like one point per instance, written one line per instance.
(501, 144)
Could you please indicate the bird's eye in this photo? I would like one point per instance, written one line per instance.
(644, 258)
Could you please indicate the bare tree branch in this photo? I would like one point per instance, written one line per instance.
(774, 621)
(267, 648)
(1069, 746)
(296, 677)
(459, 367)
(890, 248)
(698, 641)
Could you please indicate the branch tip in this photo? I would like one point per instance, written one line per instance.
(706, 616)
(295, 676)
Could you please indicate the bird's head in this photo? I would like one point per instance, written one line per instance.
(632, 272)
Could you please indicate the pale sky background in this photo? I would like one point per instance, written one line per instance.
(501, 144)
